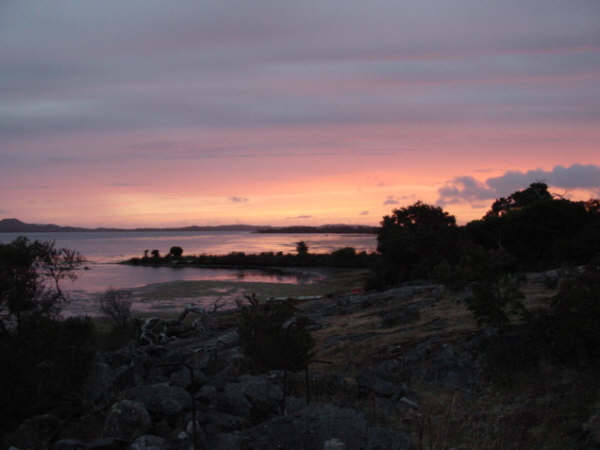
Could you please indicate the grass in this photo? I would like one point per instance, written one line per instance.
(542, 408)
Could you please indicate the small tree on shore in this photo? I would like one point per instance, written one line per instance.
(31, 274)
(176, 252)
(116, 305)
(301, 248)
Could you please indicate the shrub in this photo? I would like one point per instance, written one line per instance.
(301, 248)
(45, 365)
(176, 252)
(272, 338)
(496, 302)
(571, 324)
(116, 305)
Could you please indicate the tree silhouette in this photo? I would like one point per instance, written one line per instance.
(301, 248)
(176, 252)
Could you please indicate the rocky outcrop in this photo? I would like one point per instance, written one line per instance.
(126, 421)
(311, 428)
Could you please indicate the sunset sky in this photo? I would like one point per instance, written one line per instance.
(155, 113)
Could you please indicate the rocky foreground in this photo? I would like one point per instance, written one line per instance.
(400, 369)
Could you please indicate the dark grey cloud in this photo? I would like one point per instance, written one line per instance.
(236, 199)
(112, 66)
(391, 200)
(126, 184)
(468, 189)
(302, 216)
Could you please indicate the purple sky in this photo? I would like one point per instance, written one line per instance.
(161, 113)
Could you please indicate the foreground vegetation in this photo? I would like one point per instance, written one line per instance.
(522, 336)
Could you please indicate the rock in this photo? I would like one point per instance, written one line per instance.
(386, 439)
(252, 395)
(149, 442)
(401, 316)
(369, 381)
(96, 444)
(161, 398)
(127, 420)
(442, 364)
(207, 393)
(181, 378)
(69, 444)
(592, 428)
(334, 444)
(219, 422)
(309, 429)
(37, 432)
(227, 441)
(98, 385)
(126, 377)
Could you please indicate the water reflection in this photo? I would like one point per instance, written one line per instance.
(99, 277)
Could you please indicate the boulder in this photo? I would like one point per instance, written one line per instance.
(149, 442)
(126, 421)
(99, 384)
(252, 396)
(37, 432)
(318, 424)
(161, 398)
(369, 381)
(386, 439)
(96, 444)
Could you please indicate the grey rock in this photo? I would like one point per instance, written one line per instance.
(98, 385)
(368, 380)
(126, 421)
(126, 377)
(181, 377)
(309, 429)
(227, 441)
(334, 444)
(149, 442)
(37, 432)
(220, 422)
(207, 393)
(96, 444)
(386, 439)
(69, 444)
(252, 395)
(161, 398)
(319, 423)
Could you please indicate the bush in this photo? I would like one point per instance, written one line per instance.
(272, 338)
(570, 326)
(45, 365)
(116, 305)
(44, 360)
(496, 302)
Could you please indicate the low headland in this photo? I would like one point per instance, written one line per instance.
(481, 336)
(346, 257)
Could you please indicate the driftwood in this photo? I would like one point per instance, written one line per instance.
(160, 331)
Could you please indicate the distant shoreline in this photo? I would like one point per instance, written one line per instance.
(17, 226)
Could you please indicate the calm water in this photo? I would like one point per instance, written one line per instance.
(102, 250)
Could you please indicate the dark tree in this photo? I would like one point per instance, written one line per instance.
(155, 254)
(30, 277)
(414, 239)
(301, 248)
(176, 252)
(534, 193)
(44, 360)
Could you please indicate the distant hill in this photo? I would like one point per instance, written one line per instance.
(16, 226)
(335, 229)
